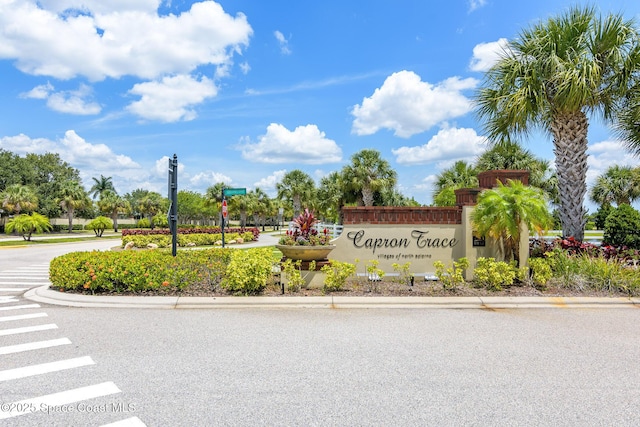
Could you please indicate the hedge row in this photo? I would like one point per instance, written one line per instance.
(183, 240)
(139, 271)
(195, 230)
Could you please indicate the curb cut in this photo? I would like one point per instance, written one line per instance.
(48, 296)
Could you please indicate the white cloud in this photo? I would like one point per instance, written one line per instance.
(269, 183)
(161, 168)
(70, 102)
(209, 178)
(408, 106)
(444, 148)
(90, 159)
(305, 144)
(117, 38)
(476, 4)
(245, 68)
(284, 43)
(487, 54)
(169, 99)
(39, 92)
(605, 154)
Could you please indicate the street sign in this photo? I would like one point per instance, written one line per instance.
(225, 212)
(234, 191)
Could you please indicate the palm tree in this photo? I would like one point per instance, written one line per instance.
(369, 173)
(18, 198)
(72, 196)
(26, 225)
(112, 204)
(551, 77)
(151, 204)
(508, 154)
(502, 212)
(331, 196)
(619, 185)
(213, 199)
(101, 185)
(459, 175)
(297, 187)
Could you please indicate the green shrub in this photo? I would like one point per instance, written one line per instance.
(99, 224)
(451, 277)
(622, 227)
(137, 271)
(293, 275)
(404, 272)
(26, 225)
(248, 271)
(336, 275)
(161, 221)
(494, 275)
(541, 270)
(143, 223)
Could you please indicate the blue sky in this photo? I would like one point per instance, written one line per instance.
(245, 90)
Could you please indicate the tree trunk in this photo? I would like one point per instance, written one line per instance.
(114, 218)
(70, 216)
(296, 205)
(570, 148)
(367, 196)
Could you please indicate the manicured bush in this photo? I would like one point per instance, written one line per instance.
(337, 273)
(143, 223)
(248, 271)
(137, 271)
(622, 227)
(183, 240)
(451, 277)
(494, 275)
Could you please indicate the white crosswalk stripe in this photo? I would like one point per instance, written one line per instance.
(29, 333)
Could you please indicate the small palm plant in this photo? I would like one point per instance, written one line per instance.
(26, 225)
(304, 233)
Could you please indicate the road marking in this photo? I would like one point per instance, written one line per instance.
(18, 307)
(129, 422)
(33, 346)
(25, 329)
(12, 289)
(29, 283)
(59, 399)
(45, 368)
(4, 300)
(22, 317)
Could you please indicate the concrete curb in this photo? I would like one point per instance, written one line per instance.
(48, 296)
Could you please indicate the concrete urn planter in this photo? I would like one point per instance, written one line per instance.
(306, 253)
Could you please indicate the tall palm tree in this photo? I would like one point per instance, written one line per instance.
(19, 198)
(112, 204)
(501, 212)
(72, 196)
(460, 175)
(507, 154)
(297, 187)
(551, 77)
(619, 185)
(101, 185)
(368, 173)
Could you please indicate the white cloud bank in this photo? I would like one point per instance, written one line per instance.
(305, 144)
(444, 148)
(487, 54)
(408, 106)
(95, 39)
(116, 38)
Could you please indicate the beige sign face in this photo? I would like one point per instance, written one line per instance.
(418, 244)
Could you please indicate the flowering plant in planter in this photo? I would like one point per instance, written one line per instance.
(304, 233)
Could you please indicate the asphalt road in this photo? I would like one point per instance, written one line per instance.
(247, 367)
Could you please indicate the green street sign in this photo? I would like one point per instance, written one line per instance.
(234, 191)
